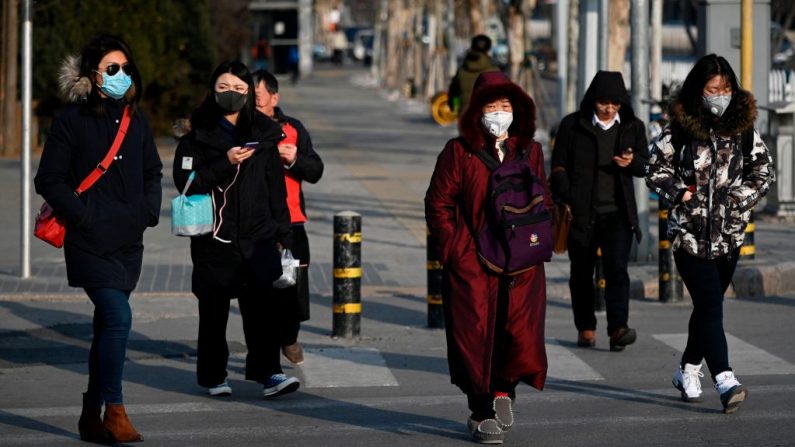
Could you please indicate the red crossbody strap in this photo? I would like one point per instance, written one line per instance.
(103, 166)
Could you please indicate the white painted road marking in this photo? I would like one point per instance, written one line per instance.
(744, 358)
(565, 365)
(345, 367)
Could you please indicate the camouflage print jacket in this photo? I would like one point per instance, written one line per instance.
(710, 162)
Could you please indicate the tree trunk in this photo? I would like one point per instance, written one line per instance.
(619, 35)
(574, 54)
(476, 18)
(11, 135)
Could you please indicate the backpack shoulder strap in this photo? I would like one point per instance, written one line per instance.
(487, 159)
(747, 142)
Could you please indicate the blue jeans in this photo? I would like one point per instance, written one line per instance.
(112, 322)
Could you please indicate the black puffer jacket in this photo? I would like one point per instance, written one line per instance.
(250, 205)
(575, 158)
(104, 225)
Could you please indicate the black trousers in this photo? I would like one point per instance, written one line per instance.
(260, 330)
(292, 303)
(613, 234)
(707, 281)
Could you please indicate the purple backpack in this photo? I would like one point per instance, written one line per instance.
(517, 235)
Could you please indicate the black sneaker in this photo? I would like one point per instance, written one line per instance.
(621, 338)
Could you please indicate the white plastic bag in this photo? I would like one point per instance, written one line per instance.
(289, 270)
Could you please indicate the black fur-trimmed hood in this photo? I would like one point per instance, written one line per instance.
(76, 88)
(739, 117)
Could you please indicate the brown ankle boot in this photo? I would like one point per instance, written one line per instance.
(119, 425)
(90, 424)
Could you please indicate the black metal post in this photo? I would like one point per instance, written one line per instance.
(599, 283)
(670, 283)
(435, 272)
(347, 301)
(748, 249)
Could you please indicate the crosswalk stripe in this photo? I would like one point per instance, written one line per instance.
(345, 367)
(744, 358)
(565, 365)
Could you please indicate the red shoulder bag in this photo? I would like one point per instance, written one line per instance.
(50, 227)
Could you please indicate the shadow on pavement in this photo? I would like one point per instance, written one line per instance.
(628, 395)
(365, 416)
(14, 420)
(66, 346)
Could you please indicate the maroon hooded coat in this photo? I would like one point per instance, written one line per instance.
(455, 211)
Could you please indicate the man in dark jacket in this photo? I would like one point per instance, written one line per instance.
(301, 163)
(476, 61)
(597, 151)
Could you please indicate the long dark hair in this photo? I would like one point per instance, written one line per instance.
(90, 57)
(705, 69)
(208, 113)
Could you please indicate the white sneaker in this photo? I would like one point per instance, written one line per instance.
(222, 389)
(688, 381)
(731, 392)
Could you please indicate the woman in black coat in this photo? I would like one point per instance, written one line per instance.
(232, 151)
(105, 224)
(598, 150)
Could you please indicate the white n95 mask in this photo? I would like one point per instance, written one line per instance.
(497, 122)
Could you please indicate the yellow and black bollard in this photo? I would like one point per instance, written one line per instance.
(748, 249)
(347, 275)
(435, 273)
(599, 283)
(670, 283)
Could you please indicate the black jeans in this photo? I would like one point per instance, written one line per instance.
(613, 234)
(707, 281)
(260, 329)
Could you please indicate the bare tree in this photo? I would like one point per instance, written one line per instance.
(10, 82)
(618, 35)
(574, 54)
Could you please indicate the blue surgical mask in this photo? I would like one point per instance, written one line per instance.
(117, 85)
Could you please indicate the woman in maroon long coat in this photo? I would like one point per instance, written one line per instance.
(494, 324)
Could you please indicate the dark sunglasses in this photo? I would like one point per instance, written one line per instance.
(112, 69)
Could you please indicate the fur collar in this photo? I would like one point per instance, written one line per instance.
(738, 118)
(74, 88)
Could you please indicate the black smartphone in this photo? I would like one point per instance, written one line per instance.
(252, 145)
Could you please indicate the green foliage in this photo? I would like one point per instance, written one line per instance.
(172, 41)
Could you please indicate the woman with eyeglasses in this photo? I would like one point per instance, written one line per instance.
(231, 152)
(105, 224)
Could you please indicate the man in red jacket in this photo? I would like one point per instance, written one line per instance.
(301, 163)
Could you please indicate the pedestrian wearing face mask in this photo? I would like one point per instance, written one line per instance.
(105, 223)
(713, 167)
(301, 163)
(598, 150)
(494, 324)
(232, 151)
